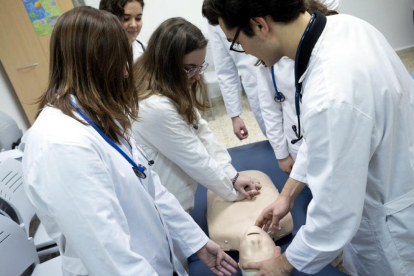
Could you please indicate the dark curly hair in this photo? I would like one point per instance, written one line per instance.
(236, 13)
(116, 7)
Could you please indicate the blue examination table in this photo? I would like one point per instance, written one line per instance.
(258, 156)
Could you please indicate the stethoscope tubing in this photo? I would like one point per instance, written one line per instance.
(279, 97)
(140, 168)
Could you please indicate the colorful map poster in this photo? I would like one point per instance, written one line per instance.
(43, 14)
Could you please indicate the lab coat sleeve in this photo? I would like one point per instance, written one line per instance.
(227, 73)
(214, 149)
(334, 5)
(183, 229)
(299, 168)
(167, 131)
(84, 203)
(272, 113)
(339, 140)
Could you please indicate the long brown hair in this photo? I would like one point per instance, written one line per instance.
(159, 71)
(89, 57)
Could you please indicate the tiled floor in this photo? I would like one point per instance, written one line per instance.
(407, 57)
(223, 128)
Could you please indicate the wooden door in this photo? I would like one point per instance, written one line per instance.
(24, 54)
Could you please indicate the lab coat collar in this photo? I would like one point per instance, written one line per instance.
(309, 43)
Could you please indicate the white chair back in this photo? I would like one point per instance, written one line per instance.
(12, 191)
(10, 133)
(18, 254)
(15, 204)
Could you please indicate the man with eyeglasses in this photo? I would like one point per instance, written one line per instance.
(355, 101)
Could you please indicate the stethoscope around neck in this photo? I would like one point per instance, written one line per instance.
(138, 169)
(279, 97)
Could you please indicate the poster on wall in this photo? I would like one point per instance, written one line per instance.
(43, 14)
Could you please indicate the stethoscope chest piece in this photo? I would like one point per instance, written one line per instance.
(139, 173)
(139, 170)
(279, 98)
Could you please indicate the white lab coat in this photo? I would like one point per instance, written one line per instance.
(183, 156)
(279, 117)
(137, 50)
(333, 5)
(228, 64)
(358, 120)
(105, 220)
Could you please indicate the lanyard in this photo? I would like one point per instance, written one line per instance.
(298, 95)
(142, 45)
(138, 169)
(279, 97)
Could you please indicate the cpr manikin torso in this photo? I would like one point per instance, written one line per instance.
(229, 221)
(255, 246)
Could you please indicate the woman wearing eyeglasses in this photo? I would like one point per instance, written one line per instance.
(171, 92)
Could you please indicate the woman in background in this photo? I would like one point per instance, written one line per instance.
(108, 215)
(130, 14)
(171, 91)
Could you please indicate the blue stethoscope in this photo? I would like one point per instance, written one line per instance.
(139, 170)
(279, 97)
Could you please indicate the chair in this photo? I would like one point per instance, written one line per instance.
(14, 198)
(10, 133)
(18, 254)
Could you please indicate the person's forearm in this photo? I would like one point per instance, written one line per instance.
(292, 188)
(286, 266)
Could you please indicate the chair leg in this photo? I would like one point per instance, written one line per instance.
(211, 108)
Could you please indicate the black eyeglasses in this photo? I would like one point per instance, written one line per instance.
(236, 46)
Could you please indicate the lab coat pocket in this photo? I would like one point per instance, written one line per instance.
(365, 243)
(73, 266)
(400, 222)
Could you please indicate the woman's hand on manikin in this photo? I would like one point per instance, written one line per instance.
(247, 187)
(216, 260)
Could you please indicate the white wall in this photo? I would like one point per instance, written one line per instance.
(157, 11)
(393, 18)
(9, 102)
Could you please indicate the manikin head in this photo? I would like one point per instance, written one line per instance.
(255, 246)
